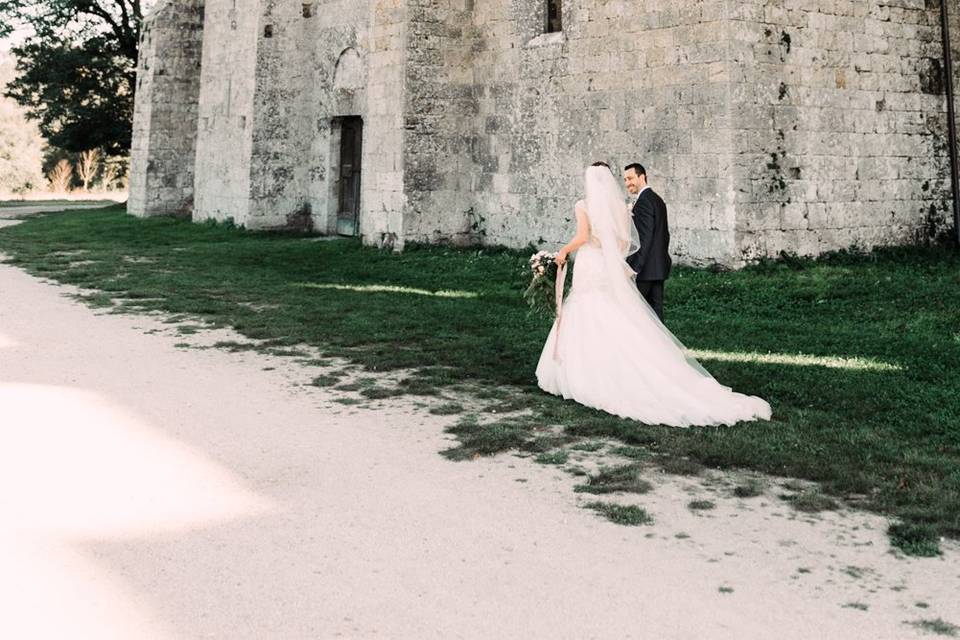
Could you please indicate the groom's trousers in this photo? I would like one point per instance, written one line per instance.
(652, 292)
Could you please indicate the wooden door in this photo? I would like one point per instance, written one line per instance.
(351, 147)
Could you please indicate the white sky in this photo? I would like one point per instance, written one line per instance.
(14, 39)
(17, 36)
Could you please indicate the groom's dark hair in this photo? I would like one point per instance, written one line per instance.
(637, 168)
(600, 163)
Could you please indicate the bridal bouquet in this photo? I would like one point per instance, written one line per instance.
(541, 293)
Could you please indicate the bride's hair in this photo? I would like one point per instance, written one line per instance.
(600, 163)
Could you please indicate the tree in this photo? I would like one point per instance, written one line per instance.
(21, 152)
(114, 175)
(88, 166)
(77, 69)
(60, 176)
(21, 147)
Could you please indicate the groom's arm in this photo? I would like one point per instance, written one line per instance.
(644, 218)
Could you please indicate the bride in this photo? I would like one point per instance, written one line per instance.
(608, 349)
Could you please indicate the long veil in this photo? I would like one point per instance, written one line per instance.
(611, 223)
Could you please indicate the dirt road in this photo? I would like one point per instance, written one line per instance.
(151, 491)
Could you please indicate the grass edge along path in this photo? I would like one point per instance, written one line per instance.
(857, 354)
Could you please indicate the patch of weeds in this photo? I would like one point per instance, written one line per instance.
(485, 440)
(447, 409)
(804, 570)
(468, 420)
(544, 444)
(349, 386)
(325, 380)
(559, 456)
(938, 626)
(749, 489)
(625, 478)
(576, 471)
(856, 605)
(287, 353)
(794, 485)
(510, 405)
(725, 589)
(634, 453)
(915, 539)
(348, 401)
(922, 605)
(189, 329)
(437, 376)
(379, 393)
(700, 505)
(681, 535)
(316, 362)
(183, 345)
(491, 393)
(588, 446)
(630, 515)
(236, 347)
(97, 300)
(680, 466)
(418, 387)
(855, 572)
(811, 501)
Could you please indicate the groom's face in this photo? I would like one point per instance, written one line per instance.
(634, 182)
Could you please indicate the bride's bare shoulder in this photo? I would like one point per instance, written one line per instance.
(581, 206)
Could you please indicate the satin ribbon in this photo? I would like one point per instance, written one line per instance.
(561, 281)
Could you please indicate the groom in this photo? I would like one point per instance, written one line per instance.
(652, 261)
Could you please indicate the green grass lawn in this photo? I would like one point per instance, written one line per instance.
(873, 414)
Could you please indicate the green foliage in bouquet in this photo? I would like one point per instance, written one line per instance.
(541, 294)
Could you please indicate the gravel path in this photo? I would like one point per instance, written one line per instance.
(150, 491)
(22, 210)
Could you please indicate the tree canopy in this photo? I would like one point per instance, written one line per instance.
(77, 69)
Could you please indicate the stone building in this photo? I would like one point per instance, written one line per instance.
(767, 125)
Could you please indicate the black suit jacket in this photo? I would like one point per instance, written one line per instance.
(652, 261)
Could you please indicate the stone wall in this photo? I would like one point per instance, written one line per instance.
(383, 200)
(311, 64)
(225, 111)
(504, 117)
(800, 125)
(439, 121)
(768, 126)
(355, 51)
(840, 129)
(280, 131)
(165, 113)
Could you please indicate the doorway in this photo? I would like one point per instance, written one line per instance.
(348, 184)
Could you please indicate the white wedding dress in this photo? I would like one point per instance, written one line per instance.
(609, 350)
